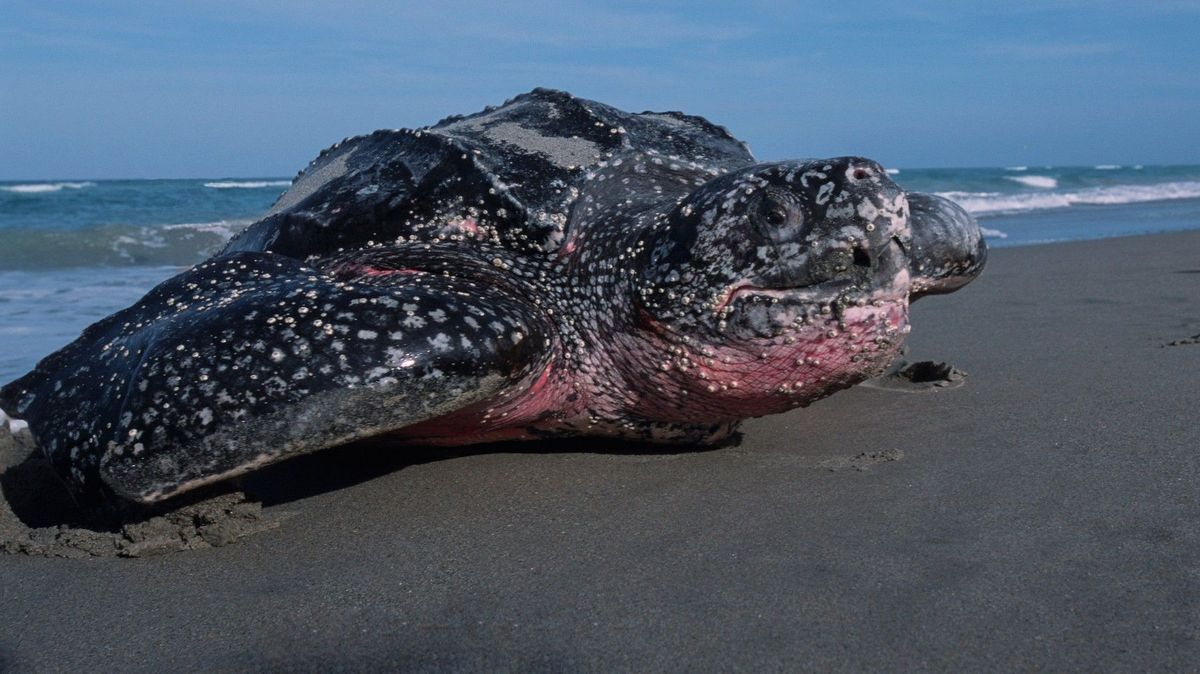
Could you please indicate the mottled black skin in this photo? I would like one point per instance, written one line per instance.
(456, 166)
(408, 276)
(946, 253)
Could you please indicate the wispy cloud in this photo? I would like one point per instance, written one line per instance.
(1052, 50)
(607, 28)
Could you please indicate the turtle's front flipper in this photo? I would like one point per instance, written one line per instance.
(248, 359)
(947, 250)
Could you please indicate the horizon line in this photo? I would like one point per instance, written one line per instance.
(1008, 167)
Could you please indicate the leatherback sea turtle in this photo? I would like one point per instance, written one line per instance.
(549, 267)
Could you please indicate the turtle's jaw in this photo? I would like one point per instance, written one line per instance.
(775, 348)
(750, 291)
(770, 306)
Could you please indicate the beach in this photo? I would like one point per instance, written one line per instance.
(1041, 516)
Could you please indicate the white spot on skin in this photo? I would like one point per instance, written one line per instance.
(440, 342)
(824, 192)
(367, 334)
(867, 210)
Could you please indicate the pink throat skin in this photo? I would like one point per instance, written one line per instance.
(698, 384)
(640, 385)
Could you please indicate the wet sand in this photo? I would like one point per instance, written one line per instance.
(1044, 515)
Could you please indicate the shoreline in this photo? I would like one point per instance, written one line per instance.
(1041, 516)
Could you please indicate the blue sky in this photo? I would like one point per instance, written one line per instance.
(213, 88)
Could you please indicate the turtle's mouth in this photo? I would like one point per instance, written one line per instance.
(795, 294)
(856, 274)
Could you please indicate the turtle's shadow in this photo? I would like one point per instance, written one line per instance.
(38, 498)
(347, 465)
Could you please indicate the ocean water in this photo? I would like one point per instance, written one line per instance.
(74, 251)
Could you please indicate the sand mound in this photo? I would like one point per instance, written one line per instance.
(38, 517)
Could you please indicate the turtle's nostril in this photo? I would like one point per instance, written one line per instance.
(861, 257)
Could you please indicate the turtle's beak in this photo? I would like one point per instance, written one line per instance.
(947, 250)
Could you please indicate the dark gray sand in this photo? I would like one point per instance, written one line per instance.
(1044, 515)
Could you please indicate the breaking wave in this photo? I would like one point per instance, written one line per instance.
(41, 188)
(246, 184)
(1042, 182)
(998, 202)
(115, 245)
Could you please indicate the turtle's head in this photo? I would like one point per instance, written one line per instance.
(752, 254)
(791, 279)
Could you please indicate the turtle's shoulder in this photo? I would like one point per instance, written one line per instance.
(389, 185)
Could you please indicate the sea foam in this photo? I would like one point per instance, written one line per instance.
(247, 184)
(997, 202)
(1042, 182)
(39, 188)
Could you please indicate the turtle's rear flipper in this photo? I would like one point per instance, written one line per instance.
(248, 359)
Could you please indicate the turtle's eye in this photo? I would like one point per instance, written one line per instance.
(775, 213)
